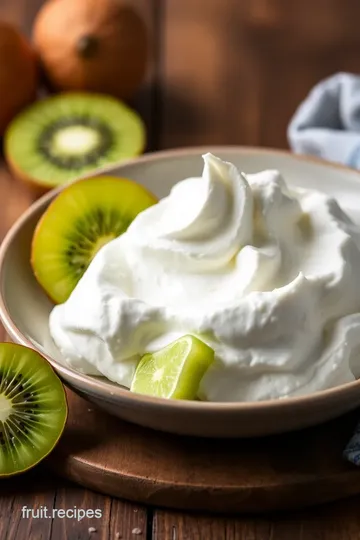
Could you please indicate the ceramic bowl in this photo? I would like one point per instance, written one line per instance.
(24, 308)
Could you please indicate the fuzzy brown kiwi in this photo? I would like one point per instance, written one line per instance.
(106, 51)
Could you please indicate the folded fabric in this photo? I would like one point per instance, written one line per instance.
(327, 123)
(352, 450)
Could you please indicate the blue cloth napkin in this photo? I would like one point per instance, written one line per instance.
(327, 125)
(352, 450)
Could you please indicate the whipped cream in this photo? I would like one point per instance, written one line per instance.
(264, 274)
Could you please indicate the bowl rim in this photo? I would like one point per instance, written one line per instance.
(100, 386)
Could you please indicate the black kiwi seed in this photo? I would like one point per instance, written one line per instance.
(88, 231)
(23, 401)
(40, 152)
(33, 408)
(71, 161)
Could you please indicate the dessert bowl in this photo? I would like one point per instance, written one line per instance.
(25, 308)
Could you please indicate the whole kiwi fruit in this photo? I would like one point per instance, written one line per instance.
(18, 73)
(92, 45)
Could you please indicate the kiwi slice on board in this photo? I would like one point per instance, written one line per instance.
(33, 408)
(65, 136)
(80, 220)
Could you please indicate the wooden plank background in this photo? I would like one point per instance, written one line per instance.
(230, 71)
(233, 72)
(222, 72)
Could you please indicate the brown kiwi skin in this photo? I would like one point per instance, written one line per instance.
(116, 30)
(18, 60)
(36, 190)
(36, 187)
(16, 473)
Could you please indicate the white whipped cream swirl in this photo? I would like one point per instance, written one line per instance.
(267, 276)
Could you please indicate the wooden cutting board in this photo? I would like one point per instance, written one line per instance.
(281, 472)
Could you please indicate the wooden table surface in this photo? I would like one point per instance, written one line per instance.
(223, 72)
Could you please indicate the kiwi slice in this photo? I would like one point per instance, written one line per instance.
(33, 408)
(80, 220)
(64, 136)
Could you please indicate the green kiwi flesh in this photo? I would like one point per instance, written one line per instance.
(33, 408)
(62, 137)
(83, 217)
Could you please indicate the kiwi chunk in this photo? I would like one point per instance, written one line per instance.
(33, 408)
(64, 136)
(85, 216)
